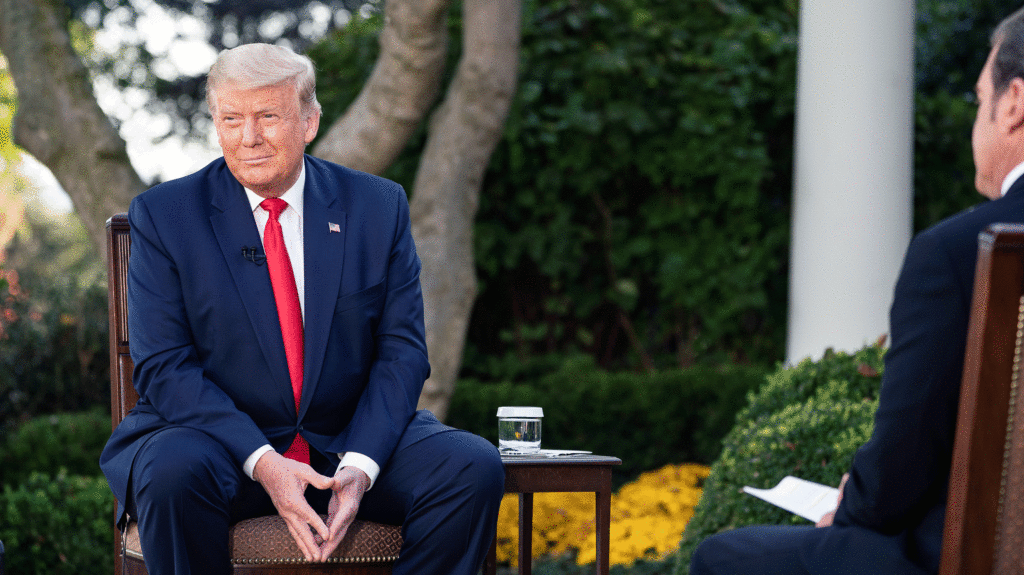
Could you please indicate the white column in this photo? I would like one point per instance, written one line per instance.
(853, 189)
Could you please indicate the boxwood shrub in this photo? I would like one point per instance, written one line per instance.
(58, 524)
(48, 443)
(806, 421)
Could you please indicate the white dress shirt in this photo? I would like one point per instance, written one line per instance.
(1012, 177)
(291, 226)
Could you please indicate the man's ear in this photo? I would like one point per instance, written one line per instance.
(313, 125)
(1012, 103)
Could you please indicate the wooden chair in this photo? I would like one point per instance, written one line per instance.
(261, 545)
(984, 531)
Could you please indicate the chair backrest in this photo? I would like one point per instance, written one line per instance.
(984, 531)
(122, 393)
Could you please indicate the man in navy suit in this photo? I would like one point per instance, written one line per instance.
(276, 327)
(892, 508)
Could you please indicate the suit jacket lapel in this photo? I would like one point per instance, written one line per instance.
(324, 247)
(235, 228)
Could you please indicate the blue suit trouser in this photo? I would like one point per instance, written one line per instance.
(444, 490)
(799, 550)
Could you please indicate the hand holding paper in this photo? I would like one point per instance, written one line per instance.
(826, 520)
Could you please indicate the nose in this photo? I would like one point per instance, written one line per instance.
(252, 135)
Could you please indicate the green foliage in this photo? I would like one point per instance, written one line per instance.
(53, 248)
(943, 163)
(953, 41)
(48, 443)
(344, 61)
(56, 511)
(641, 185)
(566, 565)
(642, 567)
(8, 104)
(634, 181)
(647, 420)
(53, 344)
(57, 524)
(807, 421)
(788, 386)
(10, 179)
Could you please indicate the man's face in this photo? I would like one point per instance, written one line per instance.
(986, 138)
(263, 134)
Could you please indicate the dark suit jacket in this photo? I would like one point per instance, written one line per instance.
(204, 330)
(899, 478)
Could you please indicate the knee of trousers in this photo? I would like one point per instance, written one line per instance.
(484, 467)
(709, 547)
(180, 465)
(472, 465)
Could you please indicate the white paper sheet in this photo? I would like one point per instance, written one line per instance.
(544, 453)
(807, 499)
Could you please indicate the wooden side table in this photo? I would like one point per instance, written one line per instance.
(527, 475)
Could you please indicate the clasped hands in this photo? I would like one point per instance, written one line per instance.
(285, 481)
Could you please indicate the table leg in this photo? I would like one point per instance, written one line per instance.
(525, 533)
(490, 562)
(604, 521)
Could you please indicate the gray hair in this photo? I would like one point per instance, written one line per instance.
(252, 66)
(1009, 60)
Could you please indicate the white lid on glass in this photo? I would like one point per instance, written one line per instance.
(518, 411)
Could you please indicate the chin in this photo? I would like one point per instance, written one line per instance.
(254, 181)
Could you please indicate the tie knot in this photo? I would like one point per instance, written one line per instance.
(274, 205)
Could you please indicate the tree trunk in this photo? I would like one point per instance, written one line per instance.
(463, 133)
(58, 120)
(400, 90)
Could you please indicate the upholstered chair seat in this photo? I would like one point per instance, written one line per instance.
(266, 541)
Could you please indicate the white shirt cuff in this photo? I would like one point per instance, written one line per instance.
(250, 462)
(361, 462)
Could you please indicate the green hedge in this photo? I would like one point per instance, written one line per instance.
(48, 443)
(57, 524)
(647, 420)
(56, 511)
(566, 565)
(806, 421)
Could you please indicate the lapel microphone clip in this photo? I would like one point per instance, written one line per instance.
(252, 255)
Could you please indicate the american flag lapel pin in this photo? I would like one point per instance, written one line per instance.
(333, 227)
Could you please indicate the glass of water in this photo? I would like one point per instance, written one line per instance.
(519, 429)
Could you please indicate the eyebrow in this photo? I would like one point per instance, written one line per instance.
(259, 111)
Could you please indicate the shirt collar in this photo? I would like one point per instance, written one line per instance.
(293, 196)
(1012, 177)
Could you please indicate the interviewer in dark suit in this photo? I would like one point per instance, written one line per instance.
(890, 517)
(220, 397)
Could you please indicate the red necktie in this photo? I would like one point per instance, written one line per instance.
(286, 296)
